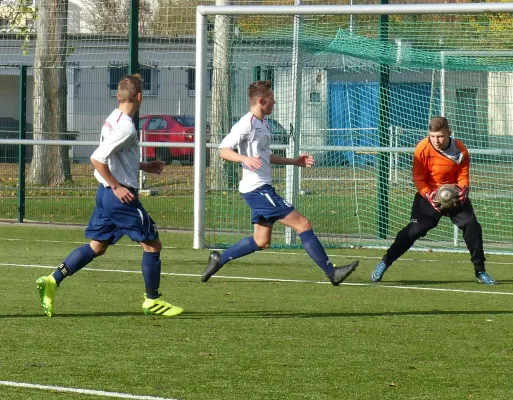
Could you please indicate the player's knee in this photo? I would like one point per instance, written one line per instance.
(303, 225)
(418, 230)
(99, 248)
(471, 225)
(100, 252)
(155, 246)
(263, 243)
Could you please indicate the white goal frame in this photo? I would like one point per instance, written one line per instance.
(202, 12)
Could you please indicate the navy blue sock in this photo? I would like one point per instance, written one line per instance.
(75, 261)
(315, 250)
(240, 249)
(151, 273)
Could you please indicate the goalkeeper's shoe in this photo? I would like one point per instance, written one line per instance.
(212, 267)
(339, 274)
(378, 272)
(160, 307)
(485, 279)
(46, 286)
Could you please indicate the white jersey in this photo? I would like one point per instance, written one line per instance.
(252, 138)
(119, 149)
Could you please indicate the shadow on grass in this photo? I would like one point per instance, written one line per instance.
(268, 314)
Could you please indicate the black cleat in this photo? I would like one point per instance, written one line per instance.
(339, 274)
(212, 267)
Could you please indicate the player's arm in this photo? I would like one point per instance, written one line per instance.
(304, 160)
(420, 173)
(253, 163)
(238, 134)
(112, 144)
(122, 193)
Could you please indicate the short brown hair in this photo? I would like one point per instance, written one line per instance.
(128, 88)
(438, 124)
(259, 89)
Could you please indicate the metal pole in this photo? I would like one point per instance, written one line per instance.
(351, 21)
(142, 158)
(383, 124)
(200, 131)
(22, 133)
(133, 45)
(398, 130)
(292, 172)
(455, 229)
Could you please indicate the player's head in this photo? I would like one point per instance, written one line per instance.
(261, 95)
(130, 90)
(439, 133)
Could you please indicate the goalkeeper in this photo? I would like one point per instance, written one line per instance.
(439, 159)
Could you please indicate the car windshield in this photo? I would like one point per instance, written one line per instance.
(185, 121)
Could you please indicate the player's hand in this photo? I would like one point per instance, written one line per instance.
(305, 160)
(253, 163)
(123, 194)
(154, 167)
(430, 196)
(463, 193)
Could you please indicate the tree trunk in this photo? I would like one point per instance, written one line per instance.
(221, 116)
(50, 93)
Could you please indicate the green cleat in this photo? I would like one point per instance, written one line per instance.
(46, 286)
(160, 307)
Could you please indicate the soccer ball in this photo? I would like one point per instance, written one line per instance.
(447, 196)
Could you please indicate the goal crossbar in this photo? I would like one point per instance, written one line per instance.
(377, 9)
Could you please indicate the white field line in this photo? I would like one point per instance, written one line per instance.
(402, 259)
(65, 241)
(81, 391)
(245, 278)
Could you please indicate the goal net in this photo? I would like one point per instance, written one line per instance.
(357, 92)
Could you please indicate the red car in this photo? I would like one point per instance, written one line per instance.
(168, 128)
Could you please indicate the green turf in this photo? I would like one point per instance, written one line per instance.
(253, 339)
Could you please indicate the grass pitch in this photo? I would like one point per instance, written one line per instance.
(269, 326)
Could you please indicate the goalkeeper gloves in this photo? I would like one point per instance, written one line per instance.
(430, 196)
(463, 193)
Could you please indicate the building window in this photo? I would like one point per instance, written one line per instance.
(149, 76)
(315, 97)
(264, 74)
(191, 81)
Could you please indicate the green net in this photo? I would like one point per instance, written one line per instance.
(365, 83)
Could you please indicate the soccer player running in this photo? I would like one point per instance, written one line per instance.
(439, 159)
(118, 211)
(252, 137)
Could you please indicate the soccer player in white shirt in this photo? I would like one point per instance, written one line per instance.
(251, 136)
(118, 211)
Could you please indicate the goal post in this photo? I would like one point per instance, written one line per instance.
(440, 59)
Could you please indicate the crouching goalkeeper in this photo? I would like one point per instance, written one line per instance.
(439, 159)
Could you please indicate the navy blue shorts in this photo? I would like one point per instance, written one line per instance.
(266, 205)
(112, 219)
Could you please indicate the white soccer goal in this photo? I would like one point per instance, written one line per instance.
(356, 87)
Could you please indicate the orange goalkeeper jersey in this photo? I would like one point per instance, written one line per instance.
(432, 168)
